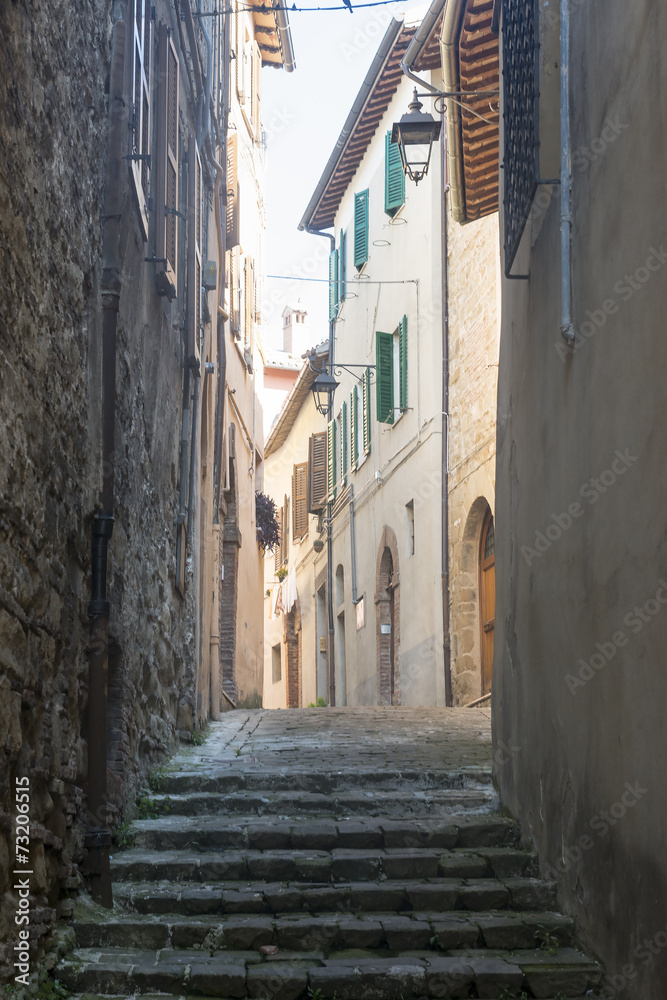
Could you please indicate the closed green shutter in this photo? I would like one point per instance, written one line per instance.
(343, 441)
(394, 178)
(331, 459)
(384, 377)
(366, 418)
(333, 284)
(342, 265)
(403, 363)
(360, 229)
(354, 437)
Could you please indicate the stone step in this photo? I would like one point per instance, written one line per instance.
(411, 930)
(213, 833)
(372, 802)
(317, 780)
(344, 976)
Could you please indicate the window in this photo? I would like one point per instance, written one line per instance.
(342, 266)
(232, 204)
(333, 284)
(276, 666)
(360, 229)
(300, 500)
(317, 472)
(410, 512)
(391, 357)
(342, 424)
(394, 178)
(140, 111)
(354, 424)
(331, 460)
(193, 316)
(366, 399)
(249, 303)
(166, 198)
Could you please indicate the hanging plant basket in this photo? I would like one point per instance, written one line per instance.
(268, 535)
(318, 544)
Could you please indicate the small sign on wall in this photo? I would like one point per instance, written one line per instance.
(361, 619)
(385, 629)
(323, 644)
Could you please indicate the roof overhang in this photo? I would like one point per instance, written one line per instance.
(273, 34)
(471, 62)
(292, 405)
(380, 84)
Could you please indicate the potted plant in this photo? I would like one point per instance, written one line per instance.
(281, 573)
(318, 544)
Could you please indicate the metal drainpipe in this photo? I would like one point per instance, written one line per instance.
(219, 194)
(566, 328)
(330, 645)
(98, 838)
(446, 642)
(353, 549)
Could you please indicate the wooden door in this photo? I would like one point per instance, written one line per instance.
(487, 588)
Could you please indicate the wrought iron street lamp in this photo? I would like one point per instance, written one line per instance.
(323, 388)
(414, 135)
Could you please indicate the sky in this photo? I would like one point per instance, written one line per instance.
(303, 113)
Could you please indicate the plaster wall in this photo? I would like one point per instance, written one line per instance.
(581, 624)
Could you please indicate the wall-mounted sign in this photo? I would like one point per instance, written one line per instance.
(361, 619)
(385, 629)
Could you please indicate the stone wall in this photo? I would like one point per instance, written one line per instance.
(473, 360)
(52, 156)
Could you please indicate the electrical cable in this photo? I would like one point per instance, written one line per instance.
(266, 9)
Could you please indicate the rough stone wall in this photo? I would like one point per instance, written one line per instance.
(473, 359)
(53, 125)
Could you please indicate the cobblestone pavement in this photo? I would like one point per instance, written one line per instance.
(367, 739)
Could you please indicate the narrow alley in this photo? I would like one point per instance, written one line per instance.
(340, 854)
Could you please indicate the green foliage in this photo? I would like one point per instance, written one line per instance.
(124, 837)
(320, 703)
(157, 778)
(547, 941)
(266, 522)
(509, 994)
(199, 735)
(148, 808)
(52, 989)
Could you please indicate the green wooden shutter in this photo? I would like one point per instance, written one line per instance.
(366, 418)
(342, 265)
(343, 441)
(394, 178)
(333, 284)
(354, 437)
(360, 229)
(331, 459)
(403, 363)
(384, 377)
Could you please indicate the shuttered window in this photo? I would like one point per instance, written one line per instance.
(403, 363)
(166, 198)
(232, 203)
(342, 266)
(140, 110)
(354, 423)
(384, 377)
(194, 253)
(333, 284)
(366, 418)
(317, 472)
(300, 500)
(394, 178)
(360, 229)
(249, 302)
(278, 551)
(256, 91)
(234, 272)
(342, 420)
(331, 460)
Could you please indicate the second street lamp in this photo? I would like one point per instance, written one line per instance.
(414, 135)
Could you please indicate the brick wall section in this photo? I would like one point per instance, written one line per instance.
(473, 347)
(292, 640)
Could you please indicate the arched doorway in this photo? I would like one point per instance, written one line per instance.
(487, 590)
(387, 620)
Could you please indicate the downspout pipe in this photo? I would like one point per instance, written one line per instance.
(446, 639)
(353, 548)
(97, 837)
(219, 202)
(449, 49)
(566, 327)
(285, 37)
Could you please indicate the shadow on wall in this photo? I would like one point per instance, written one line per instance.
(465, 602)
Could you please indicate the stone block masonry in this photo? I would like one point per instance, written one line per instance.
(53, 124)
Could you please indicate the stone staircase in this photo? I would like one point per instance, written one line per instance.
(285, 883)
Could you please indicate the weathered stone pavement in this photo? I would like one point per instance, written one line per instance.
(330, 853)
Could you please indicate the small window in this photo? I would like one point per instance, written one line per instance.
(410, 512)
(391, 390)
(360, 229)
(276, 664)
